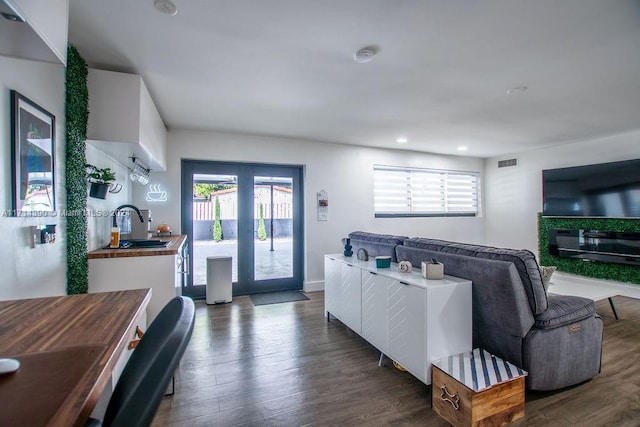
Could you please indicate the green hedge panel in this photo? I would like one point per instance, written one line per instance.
(77, 115)
(619, 272)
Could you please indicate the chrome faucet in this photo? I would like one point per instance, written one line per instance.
(115, 213)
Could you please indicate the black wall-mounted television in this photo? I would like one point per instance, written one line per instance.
(608, 190)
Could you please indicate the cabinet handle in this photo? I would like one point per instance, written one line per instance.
(134, 343)
(371, 272)
(404, 283)
(349, 265)
(454, 399)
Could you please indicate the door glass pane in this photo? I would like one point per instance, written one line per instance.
(273, 227)
(215, 222)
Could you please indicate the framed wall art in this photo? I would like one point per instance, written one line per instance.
(33, 157)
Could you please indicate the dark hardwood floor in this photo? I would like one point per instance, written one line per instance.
(285, 365)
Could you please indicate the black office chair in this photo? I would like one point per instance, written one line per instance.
(150, 368)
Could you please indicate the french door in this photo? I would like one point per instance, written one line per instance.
(249, 212)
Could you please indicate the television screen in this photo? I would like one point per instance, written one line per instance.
(609, 190)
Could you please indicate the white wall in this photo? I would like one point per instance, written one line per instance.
(99, 221)
(513, 195)
(345, 172)
(41, 271)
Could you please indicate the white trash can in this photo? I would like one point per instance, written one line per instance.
(218, 279)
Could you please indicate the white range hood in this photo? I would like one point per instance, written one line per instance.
(124, 121)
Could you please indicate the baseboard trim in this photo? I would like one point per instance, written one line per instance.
(626, 289)
(313, 286)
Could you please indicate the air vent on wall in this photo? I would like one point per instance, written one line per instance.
(507, 163)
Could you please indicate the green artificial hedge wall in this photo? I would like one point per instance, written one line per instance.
(77, 114)
(619, 272)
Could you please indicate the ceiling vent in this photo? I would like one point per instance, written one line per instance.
(507, 163)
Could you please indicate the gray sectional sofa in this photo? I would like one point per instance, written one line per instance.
(557, 339)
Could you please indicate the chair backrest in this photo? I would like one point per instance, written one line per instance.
(150, 368)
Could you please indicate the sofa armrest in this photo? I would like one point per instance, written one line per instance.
(563, 310)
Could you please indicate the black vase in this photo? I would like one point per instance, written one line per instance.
(347, 248)
(98, 190)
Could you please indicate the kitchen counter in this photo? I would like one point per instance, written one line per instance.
(173, 248)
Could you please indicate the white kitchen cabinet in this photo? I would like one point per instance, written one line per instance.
(156, 268)
(342, 300)
(119, 274)
(407, 317)
(332, 287)
(407, 327)
(350, 297)
(374, 309)
(43, 34)
(124, 120)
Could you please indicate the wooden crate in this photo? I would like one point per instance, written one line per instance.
(495, 405)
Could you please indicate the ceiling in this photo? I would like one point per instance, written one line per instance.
(440, 76)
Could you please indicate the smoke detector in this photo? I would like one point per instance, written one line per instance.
(165, 6)
(364, 55)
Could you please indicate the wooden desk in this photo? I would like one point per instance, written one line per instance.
(83, 335)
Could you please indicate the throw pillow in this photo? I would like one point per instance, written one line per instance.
(546, 273)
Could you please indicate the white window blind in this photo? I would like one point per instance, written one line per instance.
(424, 192)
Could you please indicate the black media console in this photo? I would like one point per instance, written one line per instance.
(594, 245)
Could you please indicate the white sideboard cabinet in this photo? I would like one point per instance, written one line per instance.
(410, 319)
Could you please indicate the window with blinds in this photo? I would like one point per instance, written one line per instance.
(424, 192)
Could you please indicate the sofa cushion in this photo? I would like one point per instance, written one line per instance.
(523, 259)
(546, 272)
(564, 310)
(376, 244)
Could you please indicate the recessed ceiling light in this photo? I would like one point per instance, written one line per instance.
(462, 148)
(364, 55)
(402, 140)
(165, 6)
(516, 90)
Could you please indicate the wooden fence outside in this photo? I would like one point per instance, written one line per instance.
(204, 210)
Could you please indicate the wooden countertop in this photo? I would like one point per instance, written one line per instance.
(174, 246)
(80, 337)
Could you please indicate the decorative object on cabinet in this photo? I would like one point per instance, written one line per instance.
(347, 248)
(432, 270)
(363, 255)
(77, 114)
(33, 156)
(404, 266)
(163, 230)
(383, 261)
(102, 181)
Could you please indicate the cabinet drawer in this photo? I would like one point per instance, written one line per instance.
(132, 337)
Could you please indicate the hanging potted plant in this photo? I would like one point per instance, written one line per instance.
(101, 180)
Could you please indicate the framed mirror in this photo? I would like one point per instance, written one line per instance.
(33, 157)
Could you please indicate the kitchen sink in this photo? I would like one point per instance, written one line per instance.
(141, 243)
